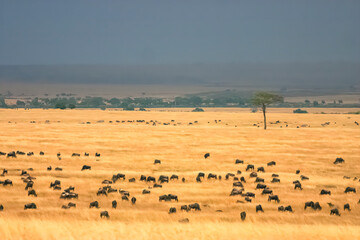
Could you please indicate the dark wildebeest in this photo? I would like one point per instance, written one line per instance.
(258, 179)
(157, 161)
(195, 206)
(334, 211)
(250, 167)
(206, 155)
(210, 175)
(11, 154)
(248, 194)
(104, 214)
(238, 161)
(339, 160)
(124, 198)
(23, 172)
(274, 197)
(133, 200)
(198, 179)
(101, 191)
(157, 185)
(5, 171)
(260, 169)
(243, 216)
(247, 199)
(235, 192)
(106, 182)
(49, 168)
(275, 180)
(55, 183)
(150, 179)
(238, 172)
(172, 210)
(183, 180)
(281, 209)
(131, 179)
(75, 155)
(32, 192)
(317, 206)
(29, 184)
(7, 182)
(58, 169)
(275, 175)
(1, 207)
(174, 177)
(116, 177)
(266, 191)
(229, 175)
(325, 192)
(163, 179)
(86, 167)
(259, 208)
(303, 178)
(238, 184)
(94, 204)
(123, 192)
(309, 204)
(272, 163)
(184, 208)
(20, 153)
(143, 178)
(347, 206)
(97, 154)
(253, 174)
(86, 154)
(350, 189)
(114, 204)
(242, 179)
(30, 206)
(145, 191)
(298, 185)
(201, 174)
(2, 153)
(260, 186)
(297, 171)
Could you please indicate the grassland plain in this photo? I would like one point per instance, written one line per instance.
(131, 148)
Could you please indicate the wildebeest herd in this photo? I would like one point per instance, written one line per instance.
(237, 180)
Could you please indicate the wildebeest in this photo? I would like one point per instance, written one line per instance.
(206, 155)
(86, 167)
(163, 179)
(243, 216)
(183, 179)
(266, 191)
(55, 183)
(248, 194)
(334, 211)
(118, 176)
(86, 154)
(238, 184)
(1, 207)
(184, 220)
(258, 179)
(131, 179)
(58, 169)
(32, 192)
(285, 209)
(347, 206)
(145, 191)
(30, 206)
(325, 192)
(157, 161)
(259, 208)
(275, 180)
(157, 185)
(201, 174)
(75, 155)
(172, 210)
(339, 160)
(133, 200)
(70, 205)
(104, 214)
(303, 178)
(229, 175)
(94, 204)
(350, 189)
(106, 182)
(210, 175)
(272, 163)
(97, 154)
(235, 192)
(260, 169)
(253, 174)
(250, 167)
(298, 185)
(49, 168)
(124, 198)
(42, 153)
(274, 175)
(101, 191)
(195, 206)
(6, 182)
(143, 178)
(174, 177)
(260, 186)
(114, 204)
(150, 179)
(242, 179)
(247, 199)
(184, 208)
(11, 154)
(238, 161)
(29, 184)
(274, 197)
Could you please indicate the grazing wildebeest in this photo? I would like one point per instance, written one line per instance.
(55, 183)
(49, 168)
(253, 174)
(5, 171)
(288, 209)
(247, 199)
(334, 211)
(157, 161)
(86, 167)
(133, 200)
(317, 206)
(163, 179)
(347, 206)
(242, 179)
(23, 172)
(206, 155)
(309, 204)
(75, 155)
(243, 216)
(275, 175)
(7, 182)
(250, 167)
(297, 171)
(238, 184)
(238, 172)
(275, 180)
(94, 204)
(210, 175)
(106, 182)
(11, 154)
(131, 179)
(117, 177)
(101, 191)
(274, 197)
(58, 169)
(172, 210)
(248, 194)
(150, 179)
(174, 177)
(1, 207)
(2, 153)
(346, 177)
(303, 178)
(350, 189)
(157, 185)
(325, 192)
(260, 186)
(272, 163)
(32, 192)
(123, 192)
(298, 185)
(145, 191)
(183, 180)
(184, 208)
(198, 179)
(260, 169)
(143, 178)
(86, 154)
(20, 153)
(104, 214)
(30, 206)
(259, 208)
(29, 184)
(114, 204)
(201, 174)
(238, 161)
(97, 154)
(124, 198)
(339, 160)
(266, 191)
(258, 179)
(281, 209)
(195, 206)
(229, 175)
(235, 192)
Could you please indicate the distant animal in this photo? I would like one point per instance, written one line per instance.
(297, 171)
(272, 163)
(347, 207)
(259, 208)
(238, 161)
(145, 191)
(30, 206)
(260, 169)
(339, 160)
(32, 192)
(94, 204)
(7, 182)
(250, 167)
(260, 186)
(1, 208)
(104, 214)
(243, 216)
(325, 192)
(194, 206)
(97, 154)
(143, 178)
(334, 211)
(131, 179)
(133, 200)
(29, 184)
(114, 204)
(303, 178)
(124, 198)
(258, 179)
(184, 208)
(157, 161)
(275, 180)
(266, 191)
(172, 210)
(274, 197)
(350, 189)
(298, 185)
(49, 168)
(86, 167)
(206, 155)
(75, 155)
(173, 177)
(150, 179)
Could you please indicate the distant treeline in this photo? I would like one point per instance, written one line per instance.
(148, 102)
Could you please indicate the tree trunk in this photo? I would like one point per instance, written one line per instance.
(264, 112)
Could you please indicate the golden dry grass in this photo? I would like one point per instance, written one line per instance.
(131, 148)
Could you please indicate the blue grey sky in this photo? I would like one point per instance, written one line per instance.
(178, 32)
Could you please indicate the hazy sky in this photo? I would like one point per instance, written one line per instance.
(173, 32)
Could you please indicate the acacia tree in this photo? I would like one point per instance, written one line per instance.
(263, 99)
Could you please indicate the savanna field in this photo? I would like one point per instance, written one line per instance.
(297, 142)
